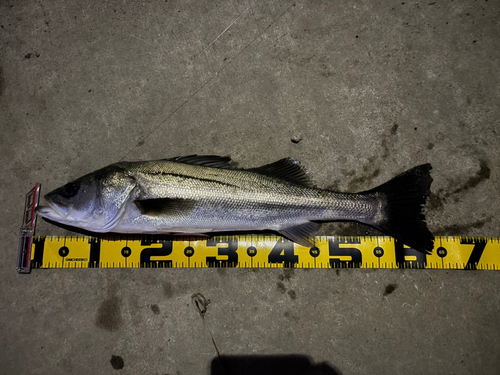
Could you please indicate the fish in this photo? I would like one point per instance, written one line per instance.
(205, 194)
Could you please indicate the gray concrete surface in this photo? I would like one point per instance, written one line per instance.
(372, 88)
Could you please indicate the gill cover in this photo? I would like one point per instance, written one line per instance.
(93, 202)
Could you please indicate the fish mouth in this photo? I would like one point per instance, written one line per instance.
(52, 212)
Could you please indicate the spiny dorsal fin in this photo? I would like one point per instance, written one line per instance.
(165, 206)
(302, 233)
(288, 169)
(212, 161)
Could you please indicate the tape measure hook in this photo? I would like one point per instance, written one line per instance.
(27, 230)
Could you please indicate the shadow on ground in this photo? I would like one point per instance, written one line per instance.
(292, 364)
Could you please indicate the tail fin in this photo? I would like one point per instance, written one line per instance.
(402, 216)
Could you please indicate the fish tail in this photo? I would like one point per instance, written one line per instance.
(402, 200)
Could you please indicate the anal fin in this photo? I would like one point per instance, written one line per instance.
(302, 234)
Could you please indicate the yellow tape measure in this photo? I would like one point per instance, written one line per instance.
(257, 251)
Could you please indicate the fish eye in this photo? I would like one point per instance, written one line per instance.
(70, 190)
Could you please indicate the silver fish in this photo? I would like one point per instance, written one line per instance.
(204, 194)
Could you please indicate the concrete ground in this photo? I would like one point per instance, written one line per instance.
(370, 88)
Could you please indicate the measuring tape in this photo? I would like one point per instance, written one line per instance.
(251, 251)
(261, 252)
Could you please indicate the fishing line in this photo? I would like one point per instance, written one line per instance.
(229, 61)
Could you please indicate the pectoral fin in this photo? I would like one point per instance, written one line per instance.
(165, 206)
(301, 234)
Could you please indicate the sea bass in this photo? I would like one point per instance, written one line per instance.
(204, 194)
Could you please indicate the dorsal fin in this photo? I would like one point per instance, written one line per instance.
(212, 161)
(288, 169)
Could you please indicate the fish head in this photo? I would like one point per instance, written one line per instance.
(94, 202)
